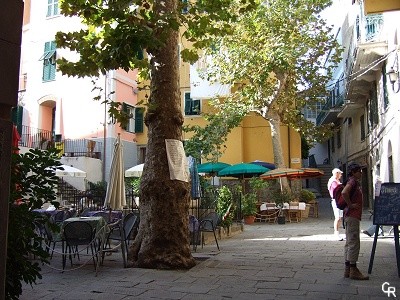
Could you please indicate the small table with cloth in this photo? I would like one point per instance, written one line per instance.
(114, 217)
(98, 224)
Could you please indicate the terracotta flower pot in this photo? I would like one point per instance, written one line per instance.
(249, 219)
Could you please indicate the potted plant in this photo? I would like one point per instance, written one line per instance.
(307, 197)
(249, 208)
(281, 197)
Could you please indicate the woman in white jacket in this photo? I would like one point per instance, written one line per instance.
(333, 182)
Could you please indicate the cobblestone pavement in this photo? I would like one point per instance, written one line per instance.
(266, 261)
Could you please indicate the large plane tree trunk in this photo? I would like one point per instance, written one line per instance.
(275, 123)
(163, 238)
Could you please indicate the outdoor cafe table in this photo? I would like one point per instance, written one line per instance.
(115, 214)
(46, 212)
(100, 226)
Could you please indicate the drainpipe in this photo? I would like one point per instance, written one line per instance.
(104, 128)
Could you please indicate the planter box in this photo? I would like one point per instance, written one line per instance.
(306, 212)
(222, 233)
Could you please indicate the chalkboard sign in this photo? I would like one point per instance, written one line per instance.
(387, 205)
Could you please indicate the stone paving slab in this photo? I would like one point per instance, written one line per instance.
(266, 261)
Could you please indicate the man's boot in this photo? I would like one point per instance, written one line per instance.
(356, 274)
(347, 271)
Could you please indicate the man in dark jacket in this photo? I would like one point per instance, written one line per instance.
(352, 218)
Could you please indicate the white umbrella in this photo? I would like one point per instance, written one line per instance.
(115, 196)
(135, 171)
(69, 171)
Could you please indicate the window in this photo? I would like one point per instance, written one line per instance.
(185, 6)
(49, 61)
(312, 111)
(385, 92)
(373, 107)
(362, 127)
(52, 8)
(390, 166)
(135, 122)
(339, 138)
(192, 106)
(349, 121)
(142, 154)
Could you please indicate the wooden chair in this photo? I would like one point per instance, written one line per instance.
(260, 216)
(294, 213)
(268, 213)
(271, 214)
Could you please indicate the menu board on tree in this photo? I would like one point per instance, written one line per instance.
(387, 205)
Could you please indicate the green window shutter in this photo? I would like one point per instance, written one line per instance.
(49, 61)
(52, 45)
(188, 104)
(139, 53)
(125, 110)
(47, 46)
(385, 92)
(16, 117)
(139, 114)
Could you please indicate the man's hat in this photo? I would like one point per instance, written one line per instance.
(336, 170)
(353, 166)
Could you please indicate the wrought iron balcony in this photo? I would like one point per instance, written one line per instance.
(330, 110)
(363, 56)
(44, 139)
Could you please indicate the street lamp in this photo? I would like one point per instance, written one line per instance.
(394, 75)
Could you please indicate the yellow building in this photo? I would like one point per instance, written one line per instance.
(248, 142)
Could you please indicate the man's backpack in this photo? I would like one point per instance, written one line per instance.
(337, 195)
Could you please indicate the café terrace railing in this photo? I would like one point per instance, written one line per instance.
(44, 139)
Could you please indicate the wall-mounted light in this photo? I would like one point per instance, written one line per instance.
(393, 75)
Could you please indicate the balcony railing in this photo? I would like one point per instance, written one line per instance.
(370, 28)
(34, 138)
(44, 139)
(329, 107)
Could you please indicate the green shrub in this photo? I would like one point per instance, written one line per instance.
(225, 206)
(32, 184)
(249, 204)
(306, 196)
(281, 197)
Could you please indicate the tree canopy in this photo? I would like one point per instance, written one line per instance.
(278, 59)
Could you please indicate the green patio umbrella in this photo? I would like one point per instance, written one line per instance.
(243, 170)
(211, 167)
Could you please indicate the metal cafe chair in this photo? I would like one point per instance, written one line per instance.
(79, 233)
(209, 224)
(122, 231)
